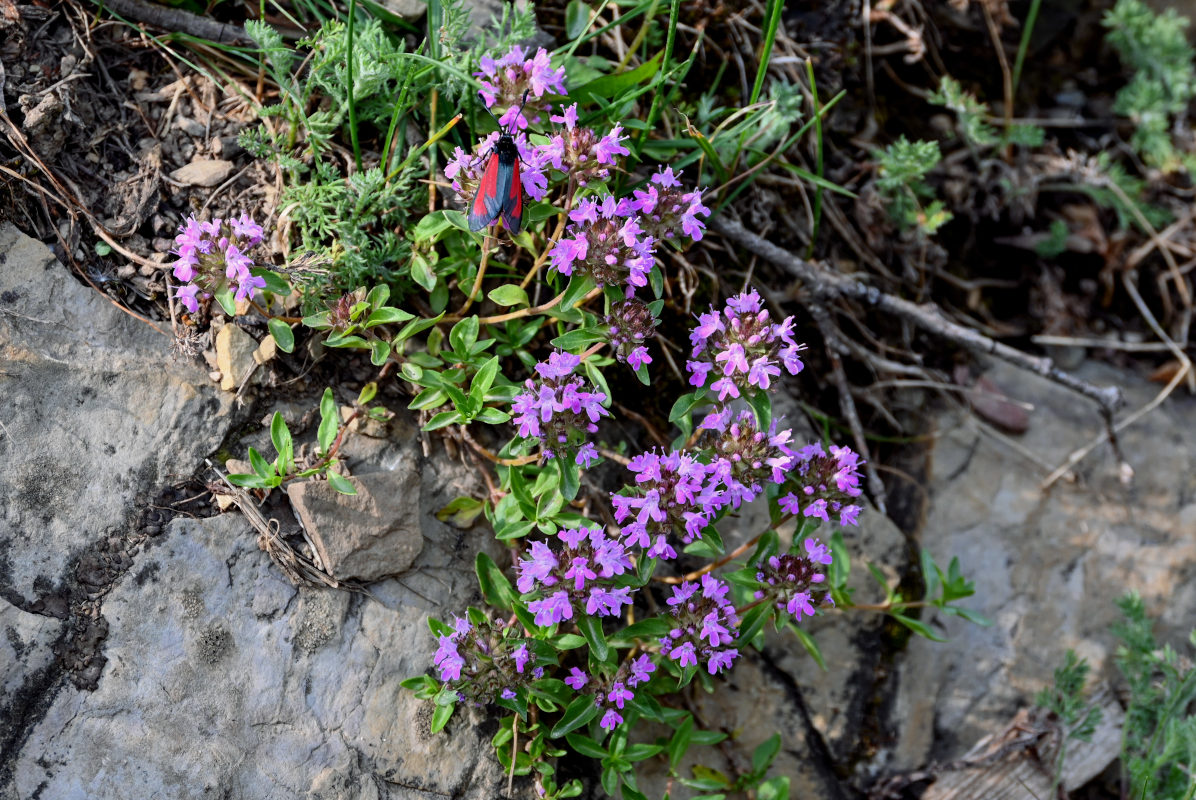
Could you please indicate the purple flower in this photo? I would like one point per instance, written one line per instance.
(639, 357)
(506, 79)
(587, 454)
(508, 694)
(609, 147)
(559, 409)
(721, 660)
(538, 568)
(521, 657)
(577, 679)
(212, 257)
(551, 610)
(186, 295)
(746, 347)
(685, 655)
(619, 694)
(794, 583)
(611, 720)
(641, 670)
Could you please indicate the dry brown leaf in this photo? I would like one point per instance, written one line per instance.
(1166, 372)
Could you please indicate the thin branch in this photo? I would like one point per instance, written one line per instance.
(827, 284)
(847, 402)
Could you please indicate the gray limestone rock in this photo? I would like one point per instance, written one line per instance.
(1047, 565)
(369, 535)
(96, 414)
(224, 680)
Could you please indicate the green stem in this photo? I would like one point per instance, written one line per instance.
(770, 35)
(818, 135)
(1024, 45)
(352, 98)
(674, 9)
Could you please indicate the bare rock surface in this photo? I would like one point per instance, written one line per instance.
(1047, 565)
(224, 680)
(206, 172)
(96, 414)
(367, 536)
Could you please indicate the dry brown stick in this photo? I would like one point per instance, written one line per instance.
(827, 284)
(847, 403)
(178, 20)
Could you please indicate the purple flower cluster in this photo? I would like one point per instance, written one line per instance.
(487, 662)
(741, 347)
(679, 492)
(507, 78)
(606, 242)
(827, 484)
(212, 255)
(578, 571)
(615, 696)
(704, 626)
(559, 409)
(580, 152)
(792, 582)
(630, 323)
(665, 207)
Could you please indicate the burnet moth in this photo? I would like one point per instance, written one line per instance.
(500, 192)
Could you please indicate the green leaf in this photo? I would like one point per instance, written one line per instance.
(577, 18)
(318, 321)
(421, 272)
(918, 627)
(416, 326)
(284, 337)
(483, 379)
(341, 340)
(281, 437)
(441, 717)
(329, 422)
(494, 585)
(367, 393)
(443, 420)
(275, 283)
(752, 624)
(340, 483)
(762, 407)
(585, 745)
(224, 296)
(250, 481)
(591, 628)
(807, 641)
(387, 316)
(463, 335)
(679, 743)
(579, 286)
(461, 511)
(570, 477)
(427, 398)
(765, 753)
(578, 338)
(378, 296)
(492, 416)
(509, 294)
(579, 712)
(538, 211)
(609, 87)
(260, 465)
(431, 227)
(379, 352)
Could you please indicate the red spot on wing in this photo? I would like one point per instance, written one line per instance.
(486, 199)
(512, 210)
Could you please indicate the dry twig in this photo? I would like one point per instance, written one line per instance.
(826, 284)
